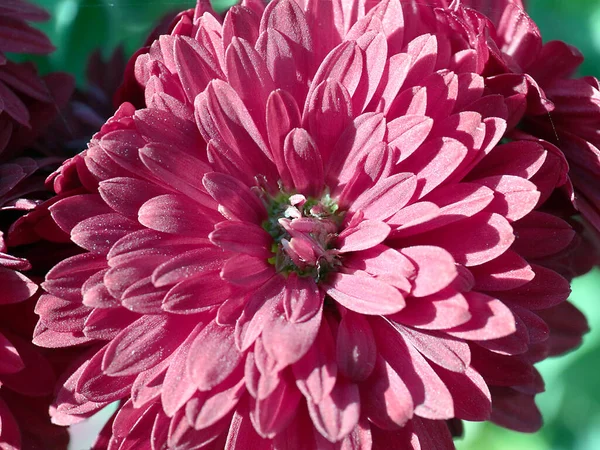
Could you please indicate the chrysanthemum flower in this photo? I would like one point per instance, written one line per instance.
(311, 237)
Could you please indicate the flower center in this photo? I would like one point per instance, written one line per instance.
(304, 231)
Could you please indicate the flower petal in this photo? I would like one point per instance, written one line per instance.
(364, 294)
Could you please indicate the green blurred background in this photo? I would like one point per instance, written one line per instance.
(571, 403)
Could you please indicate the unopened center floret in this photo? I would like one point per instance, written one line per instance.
(304, 231)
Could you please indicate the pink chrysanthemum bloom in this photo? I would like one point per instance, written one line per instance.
(311, 236)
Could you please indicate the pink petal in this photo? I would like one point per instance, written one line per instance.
(15, 287)
(181, 133)
(516, 343)
(182, 434)
(177, 387)
(221, 115)
(286, 342)
(196, 294)
(435, 161)
(98, 234)
(246, 270)
(541, 234)
(304, 162)
(273, 413)
(99, 387)
(236, 201)
(490, 319)
(408, 132)
(356, 292)
(435, 268)
(11, 361)
(11, 432)
(547, 289)
(44, 337)
(130, 423)
(302, 298)
(242, 237)
(188, 264)
(224, 159)
(515, 410)
(70, 211)
(379, 260)
(287, 62)
(337, 413)
(242, 433)
(195, 66)
(205, 409)
(440, 311)
(392, 79)
(413, 218)
(367, 234)
(66, 278)
(143, 297)
(258, 311)
(232, 308)
(514, 197)
(147, 242)
(37, 378)
(432, 434)
(283, 115)
(288, 18)
(174, 214)
(387, 401)
(519, 158)
(178, 169)
(246, 67)
(507, 271)
(502, 370)
(388, 196)
(451, 354)
(69, 403)
(240, 21)
(457, 201)
(375, 50)
(105, 324)
(62, 315)
(366, 131)
(430, 396)
(343, 64)
(12, 105)
(127, 195)
(423, 51)
(148, 384)
(356, 350)
(212, 356)
(316, 371)
(142, 345)
(330, 103)
(537, 329)
(445, 205)
(471, 396)
(475, 240)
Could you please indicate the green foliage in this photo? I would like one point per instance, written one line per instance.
(80, 26)
(574, 21)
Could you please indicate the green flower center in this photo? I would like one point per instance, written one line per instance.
(304, 232)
